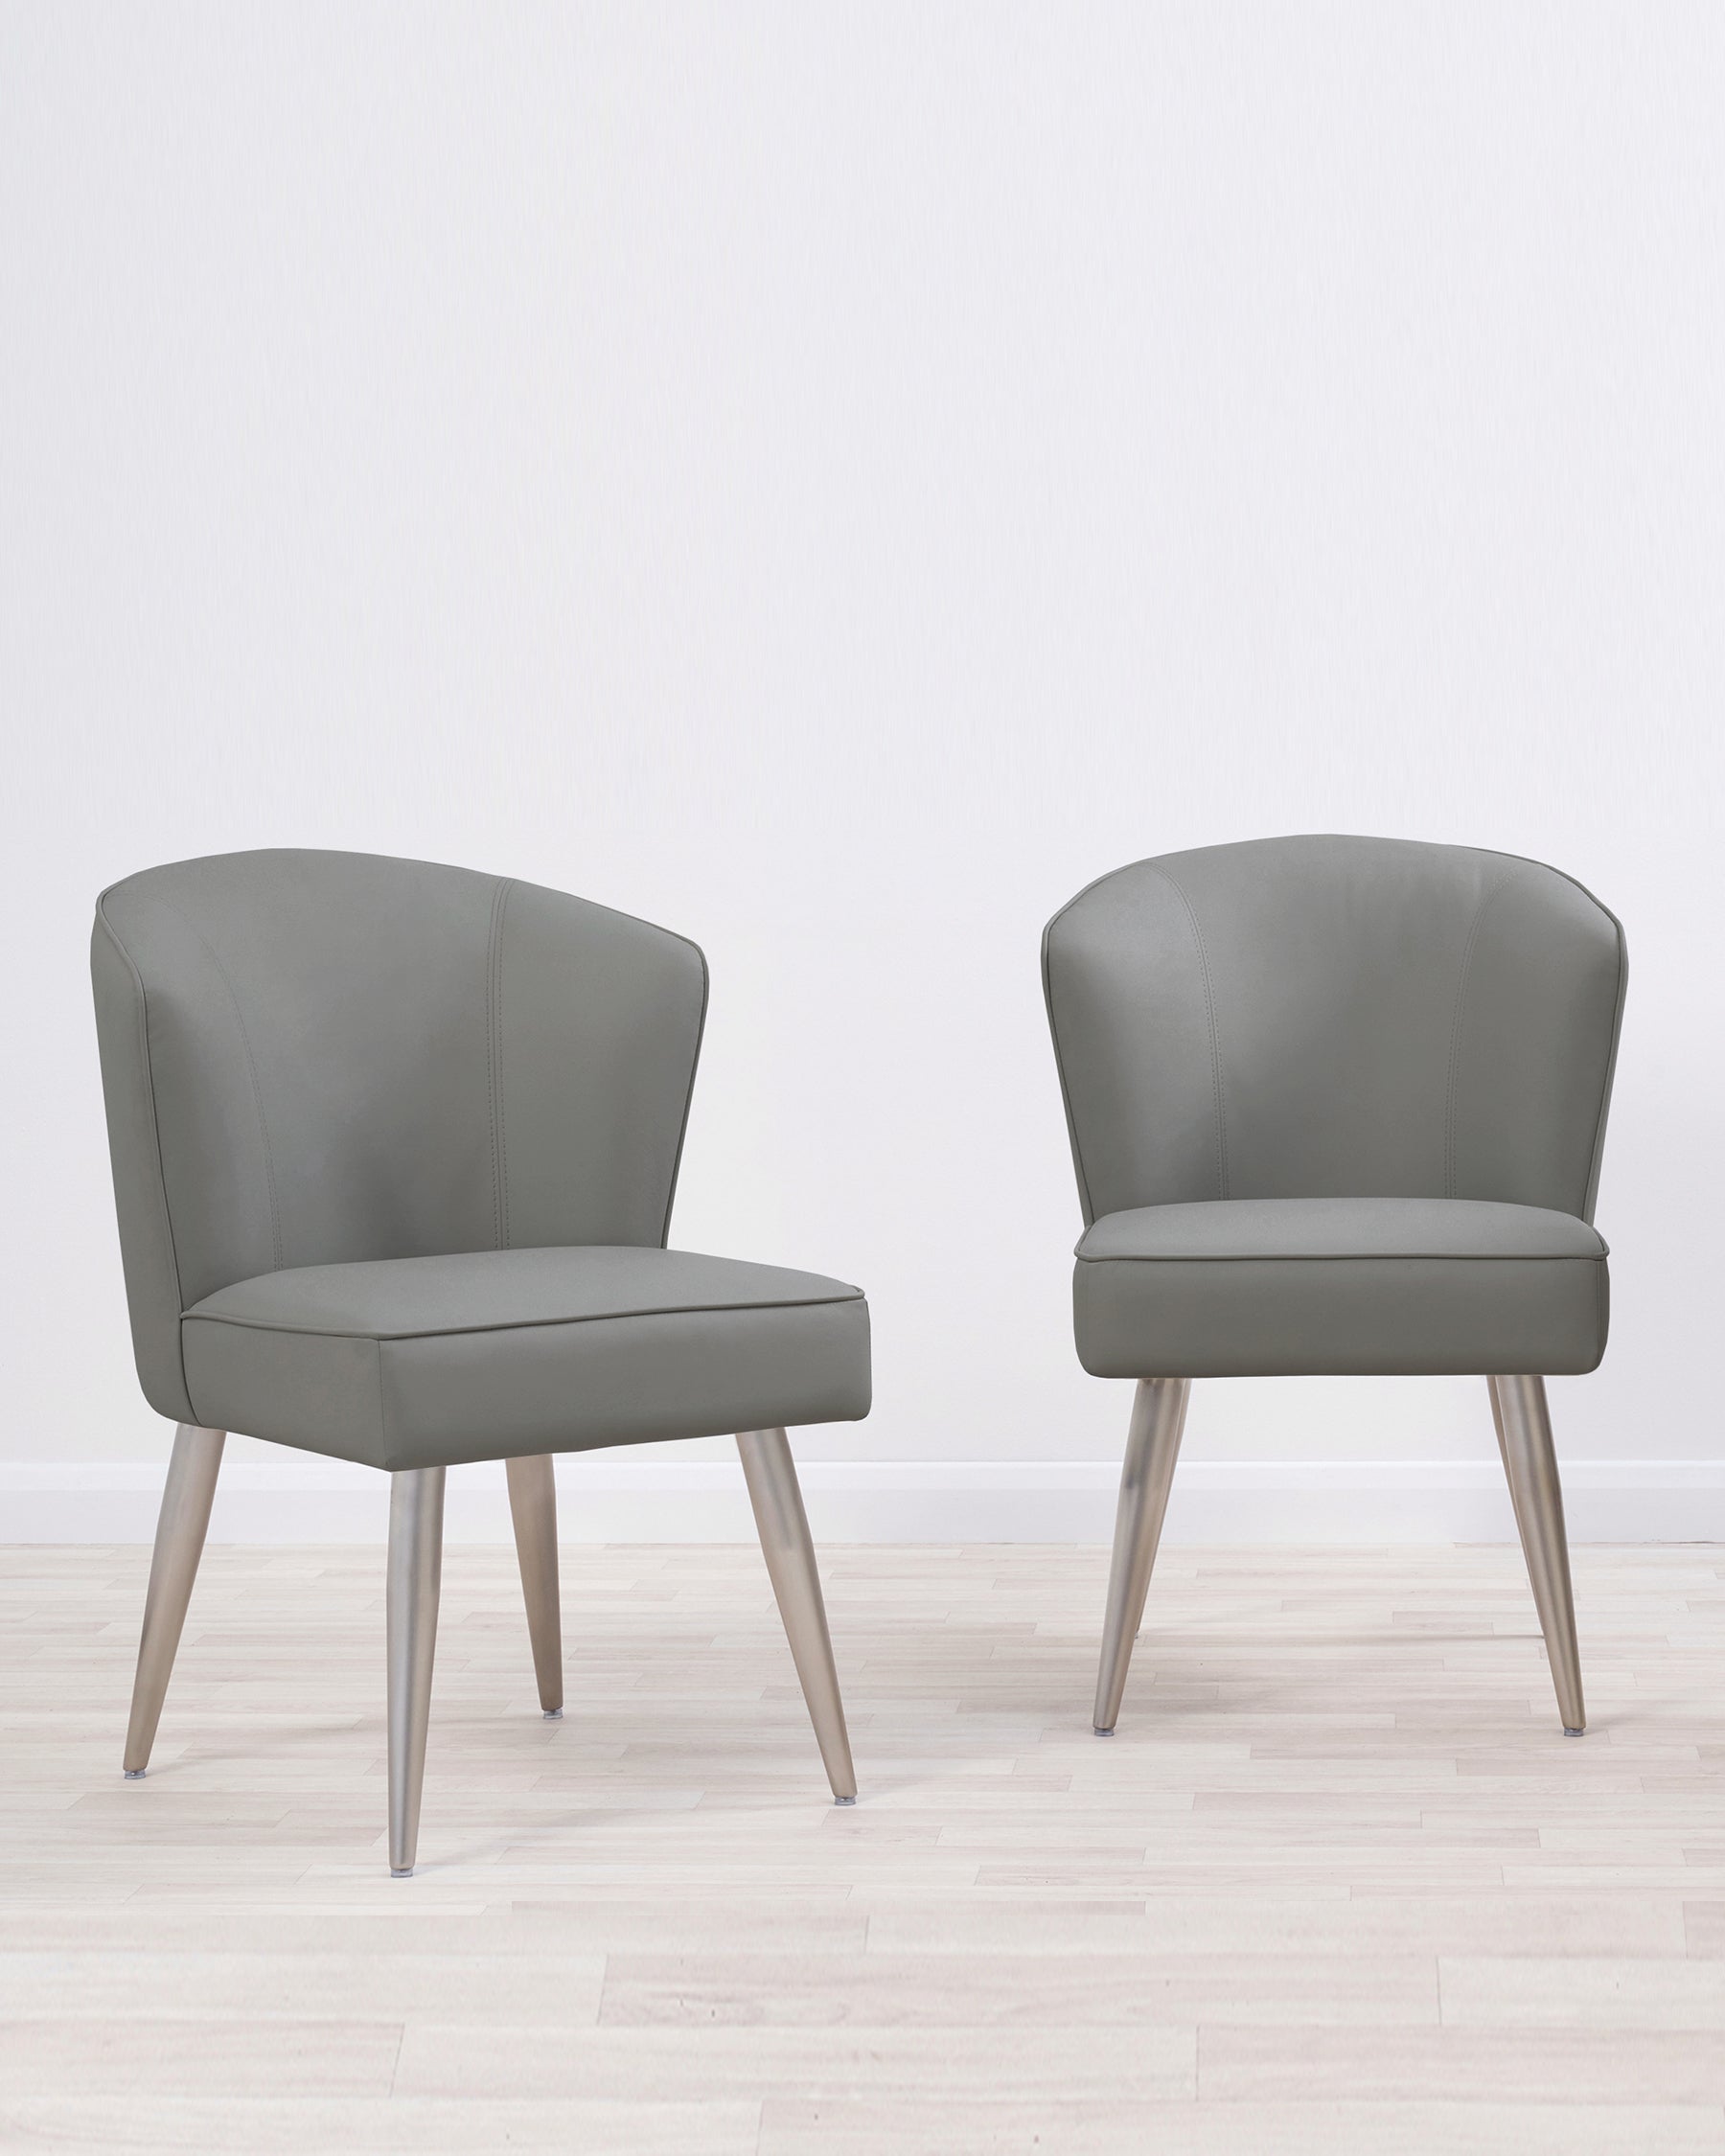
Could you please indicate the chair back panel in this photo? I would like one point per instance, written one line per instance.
(315, 1058)
(1335, 1017)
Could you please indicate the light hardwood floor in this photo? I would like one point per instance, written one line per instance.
(1339, 1883)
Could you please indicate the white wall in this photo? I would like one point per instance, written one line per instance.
(834, 480)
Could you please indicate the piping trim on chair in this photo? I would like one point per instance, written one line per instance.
(156, 1126)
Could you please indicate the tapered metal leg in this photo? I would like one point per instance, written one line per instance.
(1152, 1447)
(1524, 1426)
(773, 1491)
(416, 1510)
(533, 1507)
(181, 1525)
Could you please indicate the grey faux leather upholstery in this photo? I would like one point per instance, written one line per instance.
(1314, 1286)
(1245, 1030)
(393, 1150)
(425, 1361)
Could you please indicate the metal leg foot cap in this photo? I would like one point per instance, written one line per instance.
(133, 1774)
(401, 1871)
(1101, 1731)
(554, 1714)
(845, 1800)
(1573, 1733)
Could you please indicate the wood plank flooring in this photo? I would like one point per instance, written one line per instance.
(1339, 1883)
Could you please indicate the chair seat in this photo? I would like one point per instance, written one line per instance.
(431, 1361)
(1285, 1287)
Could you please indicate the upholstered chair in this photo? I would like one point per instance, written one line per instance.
(394, 1148)
(1336, 1106)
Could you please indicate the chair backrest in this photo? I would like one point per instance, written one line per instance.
(1334, 1017)
(312, 1057)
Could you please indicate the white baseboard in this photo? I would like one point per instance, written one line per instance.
(611, 1496)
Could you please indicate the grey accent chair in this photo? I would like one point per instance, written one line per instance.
(394, 1148)
(1337, 1107)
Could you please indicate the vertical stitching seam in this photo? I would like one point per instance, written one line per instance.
(1209, 1006)
(1486, 896)
(251, 1064)
(494, 1056)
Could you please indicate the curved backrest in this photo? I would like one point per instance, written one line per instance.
(1327, 1016)
(312, 1057)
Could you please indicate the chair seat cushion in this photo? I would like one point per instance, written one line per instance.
(427, 1361)
(1283, 1287)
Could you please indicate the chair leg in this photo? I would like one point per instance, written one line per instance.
(1524, 1426)
(770, 1473)
(181, 1525)
(416, 1510)
(533, 1507)
(1152, 1447)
